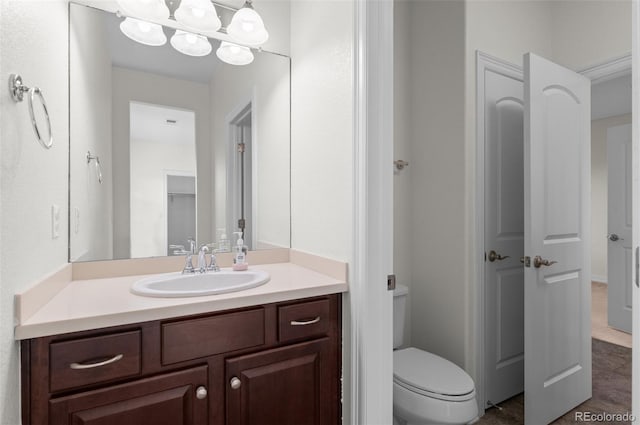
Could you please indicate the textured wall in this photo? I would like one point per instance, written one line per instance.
(322, 127)
(33, 43)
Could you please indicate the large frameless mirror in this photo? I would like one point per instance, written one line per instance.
(169, 151)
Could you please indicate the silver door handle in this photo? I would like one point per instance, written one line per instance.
(613, 237)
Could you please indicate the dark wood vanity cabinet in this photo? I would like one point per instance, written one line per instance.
(270, 364)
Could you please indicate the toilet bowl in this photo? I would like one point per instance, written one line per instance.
(427, 389)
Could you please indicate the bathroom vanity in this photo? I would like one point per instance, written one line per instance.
(275, 363)
(94, 353)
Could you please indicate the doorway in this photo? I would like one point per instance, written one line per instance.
(500, 137)
(240, 180)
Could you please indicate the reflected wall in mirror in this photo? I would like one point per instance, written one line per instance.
(191, 148)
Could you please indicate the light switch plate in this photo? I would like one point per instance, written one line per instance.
(55, 221)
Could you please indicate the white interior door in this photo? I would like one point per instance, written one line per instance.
(619, 228)
(504, 234)
(557, 324)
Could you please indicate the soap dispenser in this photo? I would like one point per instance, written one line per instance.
(240, 259)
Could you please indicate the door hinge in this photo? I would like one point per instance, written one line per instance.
(526, 260)
(637, 266)
(241, 147)
(242, 223)
(391, 282)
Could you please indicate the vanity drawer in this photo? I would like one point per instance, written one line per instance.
(195, 338)
(87, 361)
(303, 320)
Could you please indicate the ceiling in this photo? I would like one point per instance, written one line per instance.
(611, 98)
(148, 123)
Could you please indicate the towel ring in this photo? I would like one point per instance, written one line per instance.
(17, 89)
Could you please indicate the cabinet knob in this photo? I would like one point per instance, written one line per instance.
(201, 393)
(235, 383)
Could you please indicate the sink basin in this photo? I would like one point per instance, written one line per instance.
(196, 285)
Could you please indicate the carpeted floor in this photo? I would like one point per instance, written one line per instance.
(611, 389)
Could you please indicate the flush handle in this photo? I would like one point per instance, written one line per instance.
(493, 256)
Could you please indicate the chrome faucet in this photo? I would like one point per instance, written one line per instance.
(202, 259)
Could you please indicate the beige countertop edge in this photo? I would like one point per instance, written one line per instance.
(36, 330)
(37, 295)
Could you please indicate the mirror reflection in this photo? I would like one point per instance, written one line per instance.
(190, 149)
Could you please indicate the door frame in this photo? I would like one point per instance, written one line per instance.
(232, 198)
(635, 201)
(368, 330)
(613, 68)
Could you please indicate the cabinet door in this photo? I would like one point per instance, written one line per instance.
(293, 385)
(168, 399)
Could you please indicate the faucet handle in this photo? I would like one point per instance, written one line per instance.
(213, 265)
(188, 266)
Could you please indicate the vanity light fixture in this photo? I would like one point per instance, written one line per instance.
(198, 15)
(143, 32)
(246, 26)
(233, 54)
(190, 44)
(152, 10)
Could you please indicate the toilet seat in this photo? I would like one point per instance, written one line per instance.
(432, 376)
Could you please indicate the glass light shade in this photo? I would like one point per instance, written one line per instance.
(246, 27)
(191, 44)
(145, 9)
(143, 32)
(198, 15)
(234, 54)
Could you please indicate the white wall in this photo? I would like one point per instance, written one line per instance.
(90, 131)
(266, 82)
(435, 111)
(151, 161)
(129, 85)
(587, 32)
(402, 196)
(322, 127)
(33, 43)
(599, 169)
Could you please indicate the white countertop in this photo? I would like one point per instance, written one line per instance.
(97, 303)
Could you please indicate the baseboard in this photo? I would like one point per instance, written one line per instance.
(601, 279)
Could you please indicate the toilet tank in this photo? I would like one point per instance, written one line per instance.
(399, 305)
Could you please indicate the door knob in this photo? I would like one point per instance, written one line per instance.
(235, 383)
(201, 393)
(493, 256)
(538, 262)
(613, 237)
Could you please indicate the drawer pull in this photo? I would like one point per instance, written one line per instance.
(305, 322)
(80, 366)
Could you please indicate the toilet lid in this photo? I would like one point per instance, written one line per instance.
(430, 374)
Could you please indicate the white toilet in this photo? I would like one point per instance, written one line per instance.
(427, 389)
